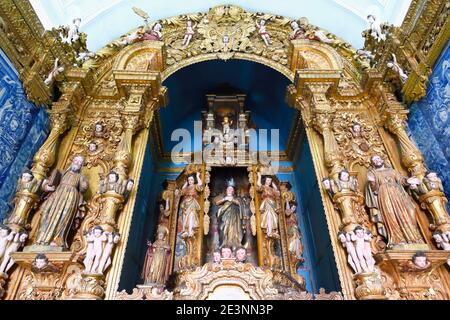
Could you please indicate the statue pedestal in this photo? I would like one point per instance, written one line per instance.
(44, 282)
(415, 282)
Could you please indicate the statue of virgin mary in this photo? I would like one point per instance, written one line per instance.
(230, 215)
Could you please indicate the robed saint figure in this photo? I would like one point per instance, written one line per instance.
(230, 215)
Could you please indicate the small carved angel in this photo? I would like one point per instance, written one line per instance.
(345, 181)
(56, 71)
(262, 32)
(110, 183)
(73, 33)
(84, 56)
(375, 28)
(393, 65)
(297, 32)
(189, 33)
(442, 240)
(322, 37)
(95, 239)
(17, 242)
(329, 186)
(419, 261)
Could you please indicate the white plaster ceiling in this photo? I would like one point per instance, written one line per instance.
(106, 20)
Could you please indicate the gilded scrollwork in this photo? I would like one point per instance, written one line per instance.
(357, 138)
(98, 139)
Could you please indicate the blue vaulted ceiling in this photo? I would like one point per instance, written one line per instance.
(265, 89)
(106, 20)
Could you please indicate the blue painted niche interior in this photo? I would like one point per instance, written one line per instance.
(23, 129)
(265, 89)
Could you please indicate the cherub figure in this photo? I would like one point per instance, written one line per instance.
(73, 33)
(126, 188)
(352, 257)
(359, 237)
(420, 260)
(110, 183)
(17, 243)
(433, 182)
(99, 130)
(217, 258)
(345, 181)
(92, 147)
(329, 186)
(82, 57)
(393, 65)
(262, 32)
(322, 37)
(375, 28)
(105, 261)
(6, 236)
(442, 240)
(95, 239)
(154, 34)
(226, 252)
(241, 254)
(27, 182)
(225, 43)
(56, 71)
(189, 33)
(297, 32)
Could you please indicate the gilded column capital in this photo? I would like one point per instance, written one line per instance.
(59, 119)
(323, 120)
(395, 120)
(131, 121)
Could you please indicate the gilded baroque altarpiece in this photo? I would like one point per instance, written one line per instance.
(105, 110)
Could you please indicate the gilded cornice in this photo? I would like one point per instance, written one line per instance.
(33, 50)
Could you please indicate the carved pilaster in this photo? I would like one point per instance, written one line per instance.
(323, 123)
(45, 157)
(411, 156)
